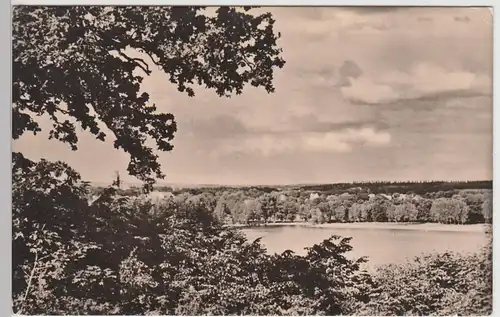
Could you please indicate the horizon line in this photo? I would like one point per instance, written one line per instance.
(138, 183)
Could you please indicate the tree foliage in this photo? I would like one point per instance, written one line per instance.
(233, 207)
(440, 284)
(449, 211)
(135, 255)
(80, 65)
(487, 208)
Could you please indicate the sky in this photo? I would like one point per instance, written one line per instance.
(366, 94)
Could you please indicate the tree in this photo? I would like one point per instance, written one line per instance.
(253, 211)
(475, 202)
(324, 209)
(44, 236)
(85, 64)
(405, 212)
(269, 205)
(82, 65)
(333, 203)
(290, 209)
(365, 213)
(423, 209)
(338, 208)
(221, 211)
(449, 210)
(443, 284)
(378, 209)
(341, 214)
(117, 182)
(487, 208)
(304, 212)
(231, 204)
(281, 212)
(355, 212)
(317, 216)
(204, 200)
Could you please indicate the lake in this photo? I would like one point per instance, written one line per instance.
(381, 245)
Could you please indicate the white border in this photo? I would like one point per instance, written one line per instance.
(261, 3)
(496, 172)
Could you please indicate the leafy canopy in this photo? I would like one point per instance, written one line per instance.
(74, 62)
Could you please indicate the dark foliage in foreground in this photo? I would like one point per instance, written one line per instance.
(121, 255)
(439, 284)
(128, 256)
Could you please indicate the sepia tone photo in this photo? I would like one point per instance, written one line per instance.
(252, 160)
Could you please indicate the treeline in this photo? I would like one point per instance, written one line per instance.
(406, 187)
(463, 208)
(254, 207)
(119, 255)
(376, 187)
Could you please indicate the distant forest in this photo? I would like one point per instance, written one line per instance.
(380, 187)
(467, 202)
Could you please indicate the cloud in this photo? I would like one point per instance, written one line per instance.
(375, 9)
(224, 127)
(313, 123)
(364, 90)
(348, 70)
(274, 144)
(423, 82)
(214, 127)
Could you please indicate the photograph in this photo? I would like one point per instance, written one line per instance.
(255, 161)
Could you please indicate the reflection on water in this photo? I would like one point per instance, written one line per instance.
(381, 246)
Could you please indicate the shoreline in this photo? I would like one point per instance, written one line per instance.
(472, 228)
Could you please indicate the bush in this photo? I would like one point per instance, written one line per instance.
(440, 284)
(132, 255)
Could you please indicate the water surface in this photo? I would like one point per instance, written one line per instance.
(381, 246)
